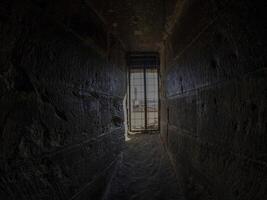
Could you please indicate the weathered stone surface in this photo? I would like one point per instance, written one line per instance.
(138, 23)
(215, 81)
(61, 93)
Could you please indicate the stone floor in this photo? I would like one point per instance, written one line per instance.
(145, 172)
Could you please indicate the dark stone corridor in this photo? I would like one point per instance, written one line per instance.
(64, 100)
(144, 172)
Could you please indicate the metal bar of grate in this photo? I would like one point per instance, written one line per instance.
(143, 92)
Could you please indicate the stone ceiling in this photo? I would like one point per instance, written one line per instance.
(138, 23)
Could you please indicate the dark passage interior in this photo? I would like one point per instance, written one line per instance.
(70, 97)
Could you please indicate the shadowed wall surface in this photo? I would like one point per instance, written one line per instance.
(215, 98)
(60, 99)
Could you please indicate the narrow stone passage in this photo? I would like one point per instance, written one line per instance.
(145, 172)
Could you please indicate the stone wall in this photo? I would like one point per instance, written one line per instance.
(62, 83)
(215, 99)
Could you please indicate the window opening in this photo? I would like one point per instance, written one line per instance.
(143, 92)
